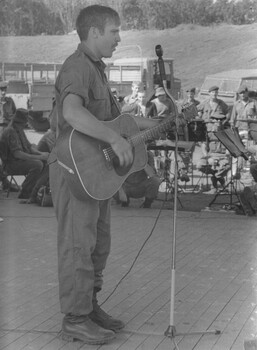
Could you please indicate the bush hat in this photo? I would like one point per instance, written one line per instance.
(20, 116)
(160, 91)
(213, 88)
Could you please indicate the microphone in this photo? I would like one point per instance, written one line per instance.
(159, 53)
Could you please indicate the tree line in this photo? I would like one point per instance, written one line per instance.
(53, 17)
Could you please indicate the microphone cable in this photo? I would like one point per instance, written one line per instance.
(136, 257)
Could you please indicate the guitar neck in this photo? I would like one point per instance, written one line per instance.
(152, 133)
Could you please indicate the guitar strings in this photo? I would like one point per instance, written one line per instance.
(139, 138)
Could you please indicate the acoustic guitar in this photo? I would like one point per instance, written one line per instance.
(92, 168)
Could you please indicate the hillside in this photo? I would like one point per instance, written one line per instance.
(196, 50)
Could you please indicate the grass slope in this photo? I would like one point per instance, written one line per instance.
(197, 51)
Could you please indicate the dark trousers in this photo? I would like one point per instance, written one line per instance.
(253, 171)
(83, 244)
(43, 180)
(30, 168)
(147, 188)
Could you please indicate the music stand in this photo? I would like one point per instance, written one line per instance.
(231, 140)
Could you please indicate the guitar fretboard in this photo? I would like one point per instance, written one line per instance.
(143, 136)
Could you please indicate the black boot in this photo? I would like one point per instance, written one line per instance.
(102, 319)
(7, 185)
(83, 329)
(147, 203)
(125, 204)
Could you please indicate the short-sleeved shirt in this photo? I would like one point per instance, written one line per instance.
(159, 109)
(15, 140)
(47, 142)
(7, 110)
(208, 108)
(243, 110)
(82, 74)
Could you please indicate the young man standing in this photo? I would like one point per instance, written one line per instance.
(7, 106)
(83, 101)
(244, 108)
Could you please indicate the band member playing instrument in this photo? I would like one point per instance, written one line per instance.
(189, 104)
(84, 101)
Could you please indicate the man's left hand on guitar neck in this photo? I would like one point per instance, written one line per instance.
(146, 123)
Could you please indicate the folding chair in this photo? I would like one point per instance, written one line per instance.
(10, 176)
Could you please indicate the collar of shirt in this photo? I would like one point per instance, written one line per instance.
(83, 48)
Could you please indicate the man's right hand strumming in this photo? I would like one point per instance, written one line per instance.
(123, 150)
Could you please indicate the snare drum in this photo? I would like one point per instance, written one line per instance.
(197, 130)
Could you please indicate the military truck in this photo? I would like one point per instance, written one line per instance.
(228, 83)
(121, 72)
(31, 85)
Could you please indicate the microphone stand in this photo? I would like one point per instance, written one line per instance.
(171, 330)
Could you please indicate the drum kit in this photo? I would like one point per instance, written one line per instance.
(197, 132)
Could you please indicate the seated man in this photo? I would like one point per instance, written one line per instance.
(143, 183)
(21, 157)
(45, 145)
(7, 110)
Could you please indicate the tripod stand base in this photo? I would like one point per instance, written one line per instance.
(226, 208)
(171, 332)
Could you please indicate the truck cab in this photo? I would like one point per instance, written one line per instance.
(121, 72)
(31, 85)
(228, 83)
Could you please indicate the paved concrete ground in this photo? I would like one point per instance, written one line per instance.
(216, 279)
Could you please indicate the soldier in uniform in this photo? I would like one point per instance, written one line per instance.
(7, 106)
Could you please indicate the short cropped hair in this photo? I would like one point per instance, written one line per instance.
(95, 16)
(137, 83)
